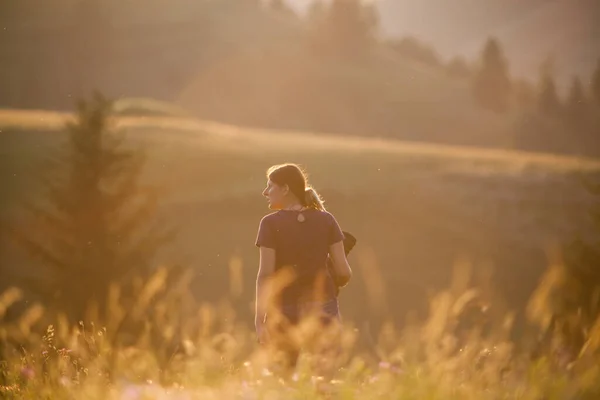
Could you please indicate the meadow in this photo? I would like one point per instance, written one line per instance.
(422, 213)
(217, 358)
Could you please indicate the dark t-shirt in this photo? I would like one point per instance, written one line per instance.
(301, 247)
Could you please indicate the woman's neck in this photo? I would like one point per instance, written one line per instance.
(294, 207)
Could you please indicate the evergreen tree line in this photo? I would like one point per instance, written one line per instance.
(545, 120)
(545, 116)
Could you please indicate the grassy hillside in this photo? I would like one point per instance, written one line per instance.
(282, 86)
(233, 62)
(416, 209)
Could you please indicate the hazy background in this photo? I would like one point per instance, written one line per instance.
(530, 30)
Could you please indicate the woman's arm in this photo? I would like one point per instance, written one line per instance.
(263, 283)
(340, 264)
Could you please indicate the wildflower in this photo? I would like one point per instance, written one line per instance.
(384, 365)
(64, 352)
(27, 373)
(131, 392)
(64, 381)
(9, 389)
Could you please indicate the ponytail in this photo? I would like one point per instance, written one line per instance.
(313, 200)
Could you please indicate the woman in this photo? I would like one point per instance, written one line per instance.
(293, 280)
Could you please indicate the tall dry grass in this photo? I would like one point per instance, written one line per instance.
(161, 344)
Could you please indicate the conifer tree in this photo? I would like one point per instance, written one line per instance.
(492, 86)
(96, 222)
(343, 28)
(576, 107)
(548, 101)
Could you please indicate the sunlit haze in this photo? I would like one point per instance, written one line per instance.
(286, 199)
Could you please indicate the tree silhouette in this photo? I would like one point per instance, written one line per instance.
(97, 223)
(548, 101)
(492, 86)
(343, 28)
(576, 105)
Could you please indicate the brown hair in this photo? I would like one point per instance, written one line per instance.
(296, 179)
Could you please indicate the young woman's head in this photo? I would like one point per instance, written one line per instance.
(287, 185)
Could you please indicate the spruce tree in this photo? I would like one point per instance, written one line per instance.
(492, 86)
(548, 101)
(576, 102)
(344, 28)
(96, 223)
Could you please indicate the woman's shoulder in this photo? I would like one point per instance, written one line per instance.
(321, 213)
(326, 214)
(269, 217)
(325, 217)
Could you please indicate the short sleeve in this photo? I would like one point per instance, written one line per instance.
(335, 232)
(266, 234)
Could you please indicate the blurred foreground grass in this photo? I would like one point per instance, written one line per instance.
(164, 346)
